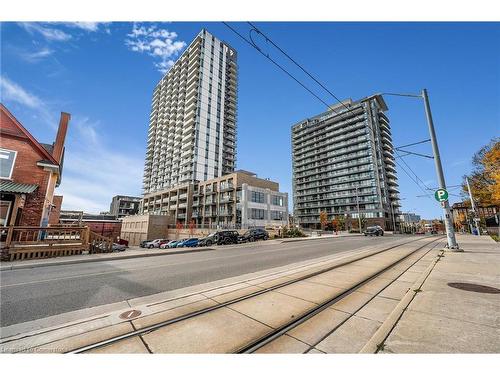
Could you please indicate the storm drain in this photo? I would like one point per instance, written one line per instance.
(475, 288)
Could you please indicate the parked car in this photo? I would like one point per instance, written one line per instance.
(114, 247)
(252, 235)
(180, 243)
(165, 244)
(190, 242)
(155, 243)
(173, 244)
(374, 231)
(223, 237)
(119, 247)
(143, 243)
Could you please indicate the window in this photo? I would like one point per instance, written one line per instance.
(277, 200)
(7, 160)
(257, 214)
(257, 197)
(4, 212)
(276, 215)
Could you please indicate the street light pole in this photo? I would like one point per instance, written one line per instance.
(450, 231)
(476, 216)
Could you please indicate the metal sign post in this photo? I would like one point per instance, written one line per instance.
(441, 192)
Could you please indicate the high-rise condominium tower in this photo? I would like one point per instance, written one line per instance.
(343, 164)
(192, 129)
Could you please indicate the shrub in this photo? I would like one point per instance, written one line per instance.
(292, 233)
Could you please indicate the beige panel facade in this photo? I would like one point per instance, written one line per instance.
(139, 228)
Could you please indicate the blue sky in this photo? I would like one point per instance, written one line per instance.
(104, 74)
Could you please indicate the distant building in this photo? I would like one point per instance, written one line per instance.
(192, 127)
(464, 209)
(409, 217)
(124, 205)
(29, 172)
(342, 158)
(105, 225)
(463, 217)
(236, 200)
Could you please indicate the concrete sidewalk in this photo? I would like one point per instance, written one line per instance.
(457, 309)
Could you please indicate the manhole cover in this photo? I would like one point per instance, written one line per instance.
(475, 288)
(131, 314)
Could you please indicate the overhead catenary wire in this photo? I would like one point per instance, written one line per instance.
(412, 171)
(412, 144)
(278, 65)
(414, 180)
(298, 65)
(252, 44)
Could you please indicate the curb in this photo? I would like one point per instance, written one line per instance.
(378, 338)
(146, 255)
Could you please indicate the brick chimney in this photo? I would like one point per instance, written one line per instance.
(58, 148)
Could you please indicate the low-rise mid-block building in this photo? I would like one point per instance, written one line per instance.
(237, 200)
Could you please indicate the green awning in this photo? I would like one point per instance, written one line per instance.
(16, 188)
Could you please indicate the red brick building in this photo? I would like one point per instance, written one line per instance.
(29, 172)
(55, 213)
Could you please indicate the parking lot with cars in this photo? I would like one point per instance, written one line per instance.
(221, 237)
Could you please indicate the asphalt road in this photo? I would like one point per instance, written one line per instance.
(29, 294)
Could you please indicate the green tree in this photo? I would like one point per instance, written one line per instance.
(341, 219)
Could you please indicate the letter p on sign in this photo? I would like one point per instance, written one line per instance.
(441, 195)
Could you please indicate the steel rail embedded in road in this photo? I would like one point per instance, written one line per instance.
(275, 334)
(168, 322)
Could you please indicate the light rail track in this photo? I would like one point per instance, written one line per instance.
(253, 346)
(275, 334)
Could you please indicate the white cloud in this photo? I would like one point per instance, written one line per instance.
(87, 26)
(95, 171)
(158, 43)
(49, 33)
(90, 26)
(36, 56)
(11, 92)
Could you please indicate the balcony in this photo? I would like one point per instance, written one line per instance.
(226, 187)
(226, 200)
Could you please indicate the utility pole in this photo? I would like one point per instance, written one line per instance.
(357, 203)
(476, 216)
(450, 231)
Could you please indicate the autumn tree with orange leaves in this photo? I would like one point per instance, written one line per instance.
(485, 178)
